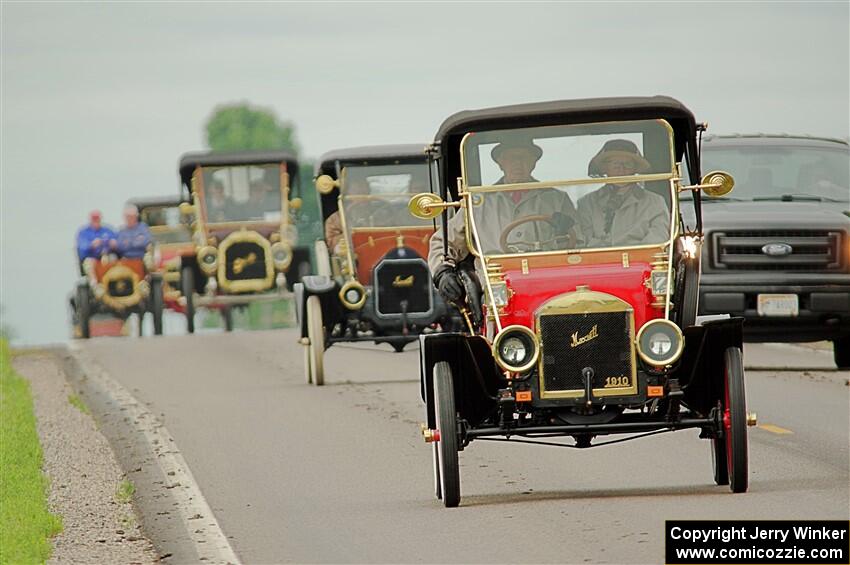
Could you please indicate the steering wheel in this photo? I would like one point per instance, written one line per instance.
(563, 240)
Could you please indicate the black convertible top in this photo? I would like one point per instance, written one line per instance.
(377, 154)
(189, 161)
(565, 112)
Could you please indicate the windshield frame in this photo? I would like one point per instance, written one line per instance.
(199, 199)
(165, 228)
(467, 192)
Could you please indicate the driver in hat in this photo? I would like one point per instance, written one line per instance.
(623, 213)
(517, 158)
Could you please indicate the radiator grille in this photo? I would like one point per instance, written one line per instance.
(402, 285)
(810, 250)
(571, 342)
(120, 287)
(244, 261)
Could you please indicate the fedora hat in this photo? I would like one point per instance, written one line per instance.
(621, 149)
(526, 143)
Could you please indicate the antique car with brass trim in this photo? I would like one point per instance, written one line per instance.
(588, 280)
(373, 284)
(118, 287)
(172, 240)
(246, 246)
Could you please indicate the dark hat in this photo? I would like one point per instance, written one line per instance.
(516, 144)
(621, 148)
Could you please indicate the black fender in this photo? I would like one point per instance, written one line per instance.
(299, 255)
(700, 371)
(316, 285)
(476, 376)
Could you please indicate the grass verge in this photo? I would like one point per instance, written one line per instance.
(78, 403)
(125, 492)
(26, 525)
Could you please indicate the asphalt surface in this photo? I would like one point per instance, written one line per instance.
(340, 474)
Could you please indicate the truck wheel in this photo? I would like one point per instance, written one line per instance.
(735, 421)
(157, 304)
(187, 287)
(841, 352)
(316, 334)
(84, 310)
(444, 406)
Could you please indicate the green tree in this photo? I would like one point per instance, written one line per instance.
(233, 127)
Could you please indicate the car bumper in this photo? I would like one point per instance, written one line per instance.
(824, 310)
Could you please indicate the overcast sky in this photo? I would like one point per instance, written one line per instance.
(100, 99)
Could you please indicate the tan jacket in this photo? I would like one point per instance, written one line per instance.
(642, 218)
(333, 231)
(491, 217)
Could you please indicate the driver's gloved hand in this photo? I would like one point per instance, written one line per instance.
(448, 283)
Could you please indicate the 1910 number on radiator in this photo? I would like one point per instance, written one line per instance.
(617, 382)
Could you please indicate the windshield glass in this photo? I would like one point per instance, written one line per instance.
(377, 196)
(166, 224)
(570, 187)
(775, 171)
(243, 193)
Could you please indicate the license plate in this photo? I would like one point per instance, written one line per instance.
(778, 305)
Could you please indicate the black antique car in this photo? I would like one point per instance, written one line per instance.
(246, 246)
(568, 213)
(373, 283)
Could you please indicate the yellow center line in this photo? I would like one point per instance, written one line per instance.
(774, 429)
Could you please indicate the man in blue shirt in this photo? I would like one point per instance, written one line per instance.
(95, 239)
(133, 239)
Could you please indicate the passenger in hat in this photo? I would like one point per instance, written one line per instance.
(619, 214)
(517, 158)
(94, 239)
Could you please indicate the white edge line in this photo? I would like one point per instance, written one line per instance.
(210, 542)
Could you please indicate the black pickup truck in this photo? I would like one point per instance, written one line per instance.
(777, 249)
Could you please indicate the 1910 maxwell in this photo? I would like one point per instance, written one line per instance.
(569, 214)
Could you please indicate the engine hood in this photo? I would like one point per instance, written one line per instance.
(776, 215)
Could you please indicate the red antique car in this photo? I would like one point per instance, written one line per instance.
(568, 214)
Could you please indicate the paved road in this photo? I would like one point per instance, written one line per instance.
(340, 474)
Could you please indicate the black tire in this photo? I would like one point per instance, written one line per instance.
(227, 316)
(141, 318)
(438, 489)
(689, 295)
(841, 352)
(735, 421)
(719, 462)
(157, 304)
(444, 407)
(187, 287)
(83, 303)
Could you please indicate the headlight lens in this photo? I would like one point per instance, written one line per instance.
(353, 295)
(660, 342)
(516, 349)
(208, 259)
(281, 256)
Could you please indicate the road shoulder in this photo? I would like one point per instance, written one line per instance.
(100, 525)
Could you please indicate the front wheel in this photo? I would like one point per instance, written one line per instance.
(735, 421)
(187, 287)
(444, 407)
(157, 305)
(316, 335)
(841, 352)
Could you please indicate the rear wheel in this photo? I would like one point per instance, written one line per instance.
(689, 297)
(438, 490)
(308, 374)
(735, 421)
(718, 461)
(83, 303)
(447, 446)
(316, 335)
(157, 305)
(187, 287)
(841, 352)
